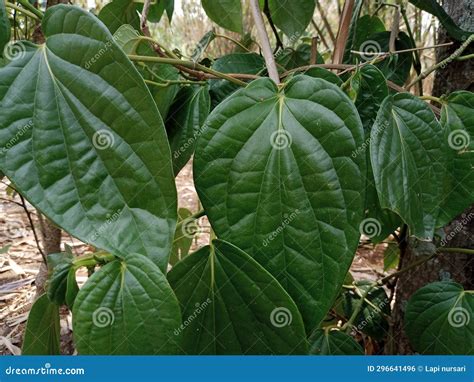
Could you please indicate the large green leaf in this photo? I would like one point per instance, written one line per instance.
(457, 120)
(119, 12)
(439, 319)
(246, 63)
(334, 342)
(226, 13)
(188, 113)
(231, 305)
(367, 25)
(432, 6)
(127, 307)
(274, 171)
(407, 160)
(325, 75)
(292, 17)
(85, 142)
(5, 29)
(42, 329)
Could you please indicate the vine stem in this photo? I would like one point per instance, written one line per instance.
(444, 62)
(264, 42)
(192, 65)
(25, 208)
(26, 4)
(233, 40)
(22, 10)
(431, 98)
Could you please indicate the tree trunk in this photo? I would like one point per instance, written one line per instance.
(458, 75)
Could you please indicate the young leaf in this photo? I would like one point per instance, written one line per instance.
(408, 162)
(231, 305)
(5, 28)
(274, 171)
(58, 276)
(188, 113)
(391, 257)
(439, 319)
(292, 17)
(457, 120)
(183, 237)
(119, 12)
(42, 329)
(372, 318)
(226, 13)
(127, 307)
(334, 342)
(91, 152)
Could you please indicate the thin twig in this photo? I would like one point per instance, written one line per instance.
(23, 204)
(326, 22)
(394, 30)
(320, 34)
(343, 32)
(314, 51)
(266, 10)
(143, 20)
(264, 42)
(443, 63)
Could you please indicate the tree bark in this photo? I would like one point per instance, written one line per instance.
(458, 75)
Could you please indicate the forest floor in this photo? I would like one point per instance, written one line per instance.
(20, 261)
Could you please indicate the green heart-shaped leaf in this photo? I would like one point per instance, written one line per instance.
(274, 171)
(457, 120)
(407, 160)
(334, 342)
(226, 13)
(292, 17)
(83, 140)
(127, 307)
(439, 319)
(42, 329)
(231, 305)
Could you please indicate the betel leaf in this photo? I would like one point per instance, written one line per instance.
(42, 329)
(391, 257)
(439, 319)
(396, 67)
(432, 6)
(127, 307)
(408, 163)
(290, 58)
(91, 152)
(226, 13)
(367, 25)
(183, 125)
(5, 28)
(245, 63)
(372, 318)
(325, 75)
(292, 17)
(334, 342)
(457, 121)
(157, 8)
(231, 305)
(119, 12)
(58, 271)
(274, 171)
